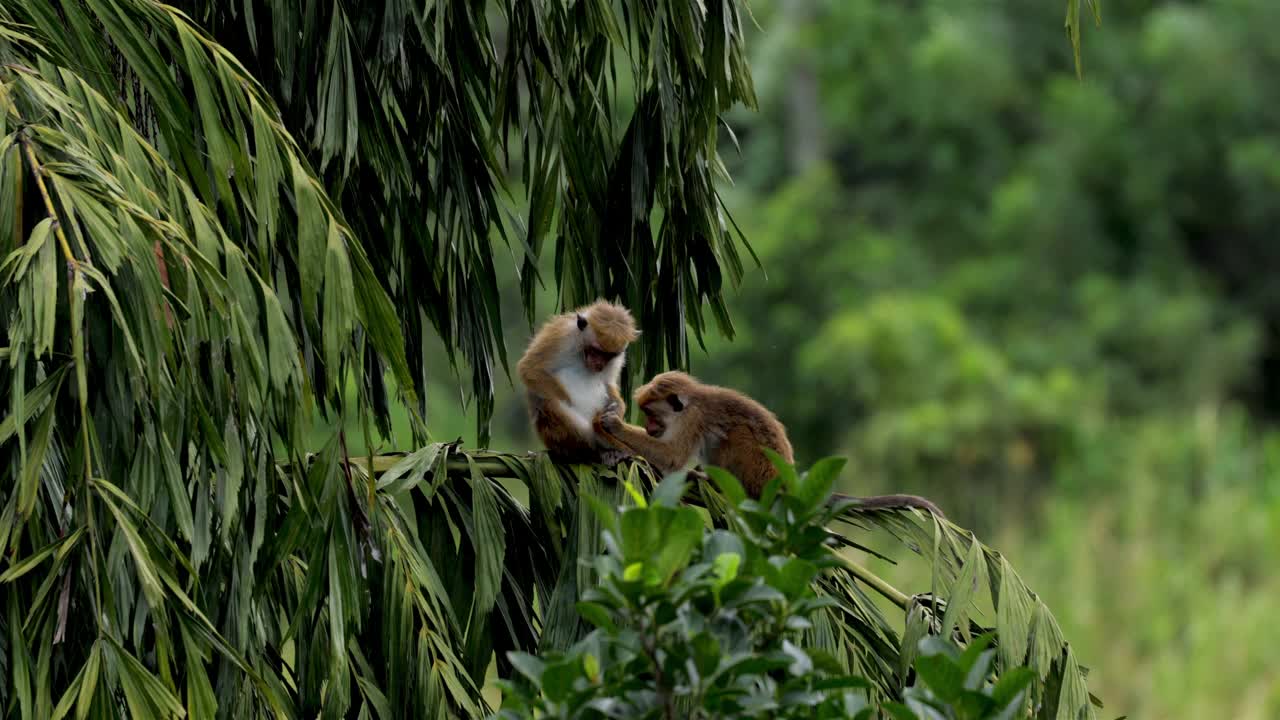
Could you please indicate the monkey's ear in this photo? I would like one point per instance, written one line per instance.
(582, 322)
(676, 403)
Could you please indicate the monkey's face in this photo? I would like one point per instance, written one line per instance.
(599, 345)
(662, 413)
(652, 423)
(595, 357)
(664, 401)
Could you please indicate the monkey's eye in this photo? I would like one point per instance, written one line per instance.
(582, 323)
(674, 401)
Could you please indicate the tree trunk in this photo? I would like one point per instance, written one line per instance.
(805, 142)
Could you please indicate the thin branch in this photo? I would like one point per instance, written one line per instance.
(73, 265)
(891, 593)
(38, 173)
(78, 357)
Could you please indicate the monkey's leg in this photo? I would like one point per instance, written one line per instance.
(562, 434)
(613, 456)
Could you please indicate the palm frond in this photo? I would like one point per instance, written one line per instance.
(167, 401)
(854, 630)
(514, 122)
(967, 576)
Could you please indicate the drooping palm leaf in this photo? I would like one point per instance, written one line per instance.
(965, 574)
(168, 400)
(513, 121)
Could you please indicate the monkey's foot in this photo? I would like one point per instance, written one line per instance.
(613, 457)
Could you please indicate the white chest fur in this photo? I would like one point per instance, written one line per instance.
(588, 395)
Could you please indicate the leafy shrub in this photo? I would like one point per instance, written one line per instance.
(707, 623)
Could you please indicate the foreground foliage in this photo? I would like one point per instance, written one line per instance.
(693, 622)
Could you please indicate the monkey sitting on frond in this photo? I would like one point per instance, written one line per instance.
(571, 370)
(689, 423)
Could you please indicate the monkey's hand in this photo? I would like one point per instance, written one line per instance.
(607, 421)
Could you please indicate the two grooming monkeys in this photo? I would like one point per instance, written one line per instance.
(571, 370)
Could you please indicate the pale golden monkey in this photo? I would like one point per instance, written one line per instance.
(689, 423)
(570, 371)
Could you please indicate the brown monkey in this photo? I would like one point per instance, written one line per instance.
(689, 423)
(570, 371)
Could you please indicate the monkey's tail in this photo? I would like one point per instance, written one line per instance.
(879, 502)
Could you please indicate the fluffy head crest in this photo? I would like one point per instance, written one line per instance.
(663, 386)
(612, 324)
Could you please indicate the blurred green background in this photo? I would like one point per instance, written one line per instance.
(1048, 303)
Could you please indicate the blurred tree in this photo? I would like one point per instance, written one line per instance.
(805, 142)
(997, 252)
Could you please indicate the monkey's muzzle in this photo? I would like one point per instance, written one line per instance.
(596, 359)
(653, 426)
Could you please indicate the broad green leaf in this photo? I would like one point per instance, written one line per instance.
(786, 471)
(591, 667)
(557, 679)
(663, 538)
(898, 711)
(596, 614)
(726, 565)
(794, 576)
(727, 483)
(1011, 685)
(670, 491)
(942, 675)
(528, 665)
(817, 484)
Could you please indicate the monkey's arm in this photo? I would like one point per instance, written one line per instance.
(668, 455)
(620, 405)
(539, 381)
(878, 502)
(548, 397)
